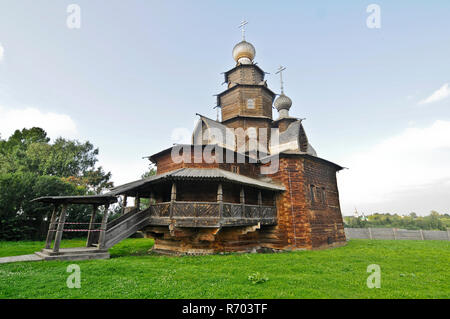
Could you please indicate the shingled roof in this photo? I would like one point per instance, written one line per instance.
(196, 174)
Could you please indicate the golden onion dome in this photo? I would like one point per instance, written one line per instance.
(244, 52)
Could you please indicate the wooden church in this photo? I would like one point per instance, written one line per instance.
(224, 193)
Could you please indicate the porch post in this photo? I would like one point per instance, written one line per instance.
(124, 204)
(260, 204)
(173, 198)
(91, 226)
(102, 237)
(220, 198)
(51, 227)
(152, 198)
(59, 232)
(242, 197)
(137, 202)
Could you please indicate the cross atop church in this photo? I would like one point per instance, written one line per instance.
(242, 27)
(280, 70)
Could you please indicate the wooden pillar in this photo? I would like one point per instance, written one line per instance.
(102, 237)
(91, 226)
(220, 198)
(124, 204)
(260, 204)
(137, 202)
(242, 197)
(173, 195)
(59, 231)
(51, 228)
(152, 198)
(173, 198)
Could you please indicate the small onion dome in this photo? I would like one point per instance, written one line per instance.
(283, 102)
(244, 52)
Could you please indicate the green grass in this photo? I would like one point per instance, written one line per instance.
(409, 269)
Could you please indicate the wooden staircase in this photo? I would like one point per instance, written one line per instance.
(116, 231)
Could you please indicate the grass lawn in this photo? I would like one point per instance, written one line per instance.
(409, 269)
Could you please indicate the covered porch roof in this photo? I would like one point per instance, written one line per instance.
(88, 199)
(215, 174)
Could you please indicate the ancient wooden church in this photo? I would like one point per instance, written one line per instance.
(223, 193)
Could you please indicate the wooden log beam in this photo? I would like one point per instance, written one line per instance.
(51, 228)
(137, 202)
(173, 198)
(59, 232)
(102, 238)
(220, 199)
(91, 226)
(124, 205)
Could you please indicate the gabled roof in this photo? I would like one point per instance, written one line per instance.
(215, 174)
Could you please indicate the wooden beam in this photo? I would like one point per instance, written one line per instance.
(152, 198)
(124, 204)
(173, 195)
(101, 241)
(242, 199)
(137, 202)
(91, 226)
(220, 198)
(51, 228)
(59, 232)
(219, 193)
(173, 198)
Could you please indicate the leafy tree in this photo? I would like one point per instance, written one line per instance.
(31, 167)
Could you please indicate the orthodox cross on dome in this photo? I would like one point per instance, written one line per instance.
(242, 27)
(280, 70)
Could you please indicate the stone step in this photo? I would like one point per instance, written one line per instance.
(88, 256)
(73, 251)
(21, 258)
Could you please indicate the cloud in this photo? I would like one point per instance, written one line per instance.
(438, 95)
(402, 173)
(55, 124)
(2, 52)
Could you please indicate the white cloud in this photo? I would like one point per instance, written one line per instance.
(438, 95)
(403, 173)
(55, 124)
(2, 52)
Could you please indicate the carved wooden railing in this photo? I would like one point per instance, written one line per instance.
(211, 214)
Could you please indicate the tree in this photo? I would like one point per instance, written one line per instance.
(31, 167)
(151, 171)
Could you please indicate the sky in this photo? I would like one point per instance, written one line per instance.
(376, 100)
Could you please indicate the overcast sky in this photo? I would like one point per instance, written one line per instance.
(376, 100)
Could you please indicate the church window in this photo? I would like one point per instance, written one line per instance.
(251, 103)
